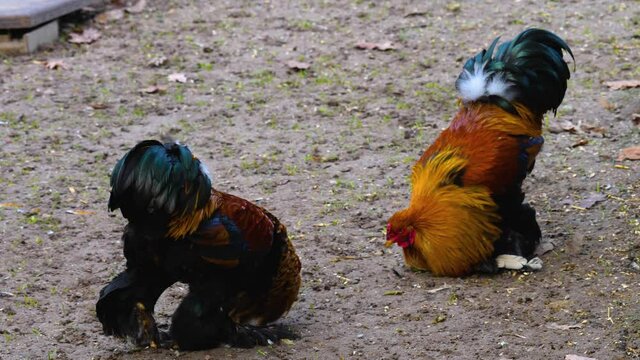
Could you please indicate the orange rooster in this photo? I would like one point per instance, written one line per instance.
(466, 210)
(241, 268)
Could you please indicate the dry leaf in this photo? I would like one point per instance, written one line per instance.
(87, 37)
(137, 8)
(593, 129)
(606, 104)
(577, 357)
(54, 64)
(581, 142)
(80, 212)
(177, 77)
(630, 153)
(297, 65)
(417, 13)
(622, 84)
(154, 89)
(108, 16)
(99, 106)
(591, 200)
(375, 46)
(157, 61)
(563, 126)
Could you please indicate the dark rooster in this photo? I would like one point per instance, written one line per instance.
(466, 210)
(241, 268)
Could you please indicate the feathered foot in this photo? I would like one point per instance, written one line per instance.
(144, 332)
(125, 308)
(515, 262)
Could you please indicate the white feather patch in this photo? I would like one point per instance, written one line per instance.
(205, 171)
(498, 86)
(473, 86)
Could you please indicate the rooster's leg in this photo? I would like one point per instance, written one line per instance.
(125, 307)
(202, 321)
(520, 235)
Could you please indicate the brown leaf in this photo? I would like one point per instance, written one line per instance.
(592, 199)
(630, 153)
(593, 129)
(177, 77)
(636, 119)
(622, 84)
(563, 126)
(87, 37)
(297, 65)
(54, 64)
(109, 16)
(581, 142)
(154, 89)
(99, 106)
(606, 104)
(375, 46)
(416, 13)
(137, 8)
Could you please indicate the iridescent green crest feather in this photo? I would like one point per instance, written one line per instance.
(529, 70)
(154, 177)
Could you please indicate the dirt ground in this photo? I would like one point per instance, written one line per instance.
(329, 150)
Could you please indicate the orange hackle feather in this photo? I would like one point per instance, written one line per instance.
(186, 224)
(494, 162)
(455, 226)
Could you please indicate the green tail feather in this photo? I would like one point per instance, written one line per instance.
(155, 178)
(533, 67)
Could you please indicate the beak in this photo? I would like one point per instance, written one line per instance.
(389, 243)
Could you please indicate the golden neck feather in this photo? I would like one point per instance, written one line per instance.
(181, 226)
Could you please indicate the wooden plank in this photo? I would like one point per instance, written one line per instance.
(24, 14)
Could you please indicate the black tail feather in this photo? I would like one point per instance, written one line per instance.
(532, 67)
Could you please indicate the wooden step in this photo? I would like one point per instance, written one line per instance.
(27, 24)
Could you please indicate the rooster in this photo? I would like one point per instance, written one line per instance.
(466, 211)
(242, 270)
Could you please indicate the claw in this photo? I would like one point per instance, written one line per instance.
(146, 333)
(534, 264)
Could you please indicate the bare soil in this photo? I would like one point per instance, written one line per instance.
(329, 150)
